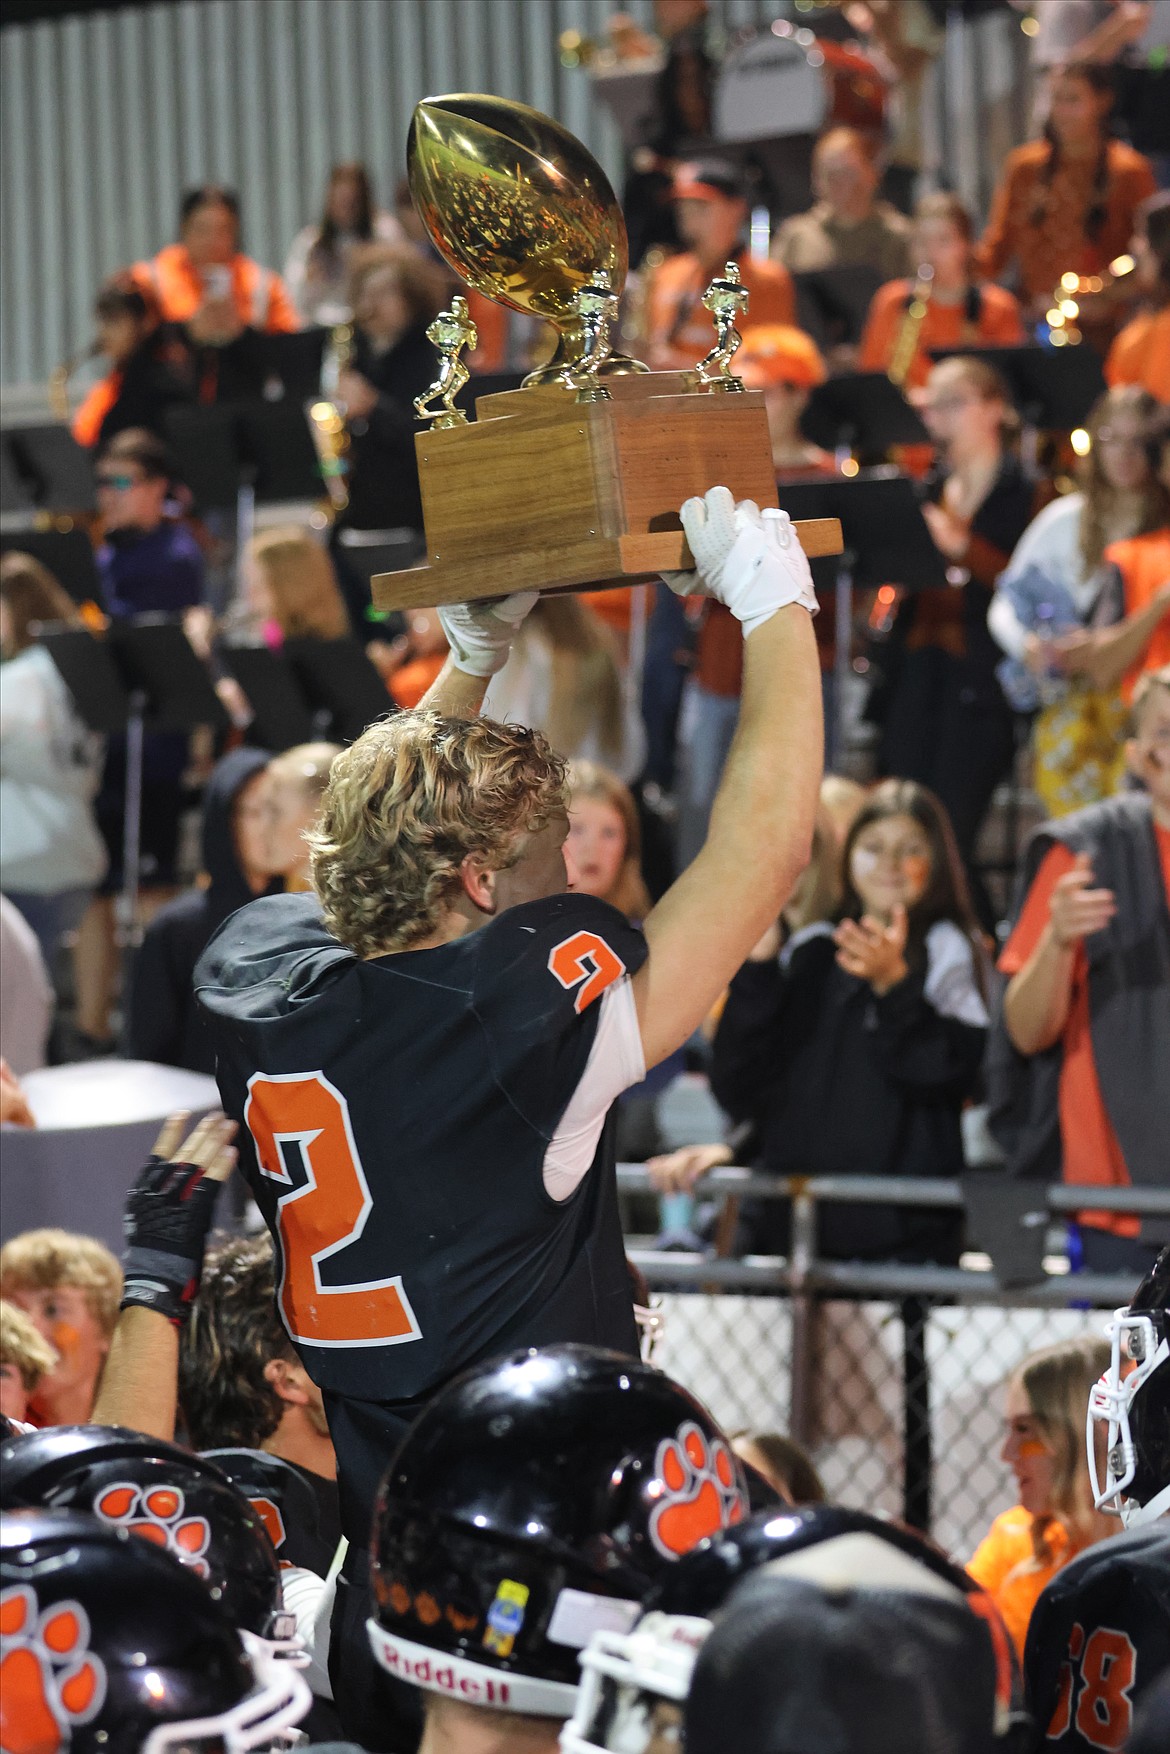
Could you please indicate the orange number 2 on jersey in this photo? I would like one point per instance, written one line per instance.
(319, 1218)
(586, 955)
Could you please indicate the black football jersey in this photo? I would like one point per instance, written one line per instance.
(298, 1508)
(425, 1136)
(1098, 1639)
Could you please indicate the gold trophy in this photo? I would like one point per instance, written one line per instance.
(572, 482)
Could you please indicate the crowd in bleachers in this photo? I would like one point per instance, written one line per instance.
(912, 980)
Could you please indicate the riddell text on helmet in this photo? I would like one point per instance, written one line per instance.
(445, 1677)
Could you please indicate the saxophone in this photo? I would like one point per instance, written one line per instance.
(906, 343)
(326, 417)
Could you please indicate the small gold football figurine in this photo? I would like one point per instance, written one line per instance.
(451, 332)
(726, 298)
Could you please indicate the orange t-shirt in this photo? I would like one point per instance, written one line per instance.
(1004, 1565)
(1040, 224)
(408, 684)
(1090, 1153)
(680, 331)
(944, 325)
(1144, 564)
(260, 296)
(1141, 354)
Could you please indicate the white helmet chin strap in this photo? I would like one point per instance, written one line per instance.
(1135, 1341)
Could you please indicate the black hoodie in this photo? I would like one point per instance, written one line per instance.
(165, 1022)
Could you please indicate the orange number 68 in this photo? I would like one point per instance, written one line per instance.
(318, 1219)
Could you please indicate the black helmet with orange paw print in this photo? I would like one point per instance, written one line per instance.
(108, 1645)
(164, 1495)
(534, 1501)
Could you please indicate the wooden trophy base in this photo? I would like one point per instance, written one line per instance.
(542, 492)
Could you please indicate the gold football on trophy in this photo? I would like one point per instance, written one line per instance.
(519, 208)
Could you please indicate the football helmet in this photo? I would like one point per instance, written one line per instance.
(1132, 1400)
(109, 1645)
(166, 1495)
(634, 1684)
(534, 1501)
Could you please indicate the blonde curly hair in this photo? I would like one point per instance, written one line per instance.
(404, 807)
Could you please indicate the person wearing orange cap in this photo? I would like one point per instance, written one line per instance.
(786, 365)
(960, 310)
(711, 212)
(206, 282)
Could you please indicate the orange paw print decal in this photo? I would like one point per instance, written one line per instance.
(49, 1677)
(155, 1513)
(700, 1492)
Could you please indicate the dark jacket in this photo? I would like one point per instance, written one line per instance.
(169, 370)
(1129, 1003)
(836, 1081)
(383, 479)
(165, 1023)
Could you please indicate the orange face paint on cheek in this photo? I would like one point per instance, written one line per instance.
(1031, 1448)
(65, 1338)
(916, 870)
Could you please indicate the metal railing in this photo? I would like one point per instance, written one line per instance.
(887, 1372)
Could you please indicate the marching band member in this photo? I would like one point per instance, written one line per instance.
(1066, 202)
(712, 210)
(959, 309)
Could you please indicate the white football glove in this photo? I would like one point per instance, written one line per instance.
(480, 634)
(750, 560)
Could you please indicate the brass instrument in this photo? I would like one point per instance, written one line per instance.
(327, 420)
(1060, 319)
(906, 344)
(59, 379)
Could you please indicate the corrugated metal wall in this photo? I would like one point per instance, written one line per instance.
(105, 117)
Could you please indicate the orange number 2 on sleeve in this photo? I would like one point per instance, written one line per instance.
(319, 1218)
(585, 955)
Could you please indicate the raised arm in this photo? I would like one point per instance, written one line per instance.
(168, 1215)
(762, 819)
(480, 636)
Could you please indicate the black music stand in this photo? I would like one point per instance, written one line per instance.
(205, 444)
(277, 451)
(887, 540)
(292, 365)
(280, 715)
(833, 303)
(143, 674)
(58, 469)
(68, 554)
(340, 684)
(1053, 387)
(16, 496)
(861, 412)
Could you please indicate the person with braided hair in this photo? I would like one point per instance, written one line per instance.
(1066, 202)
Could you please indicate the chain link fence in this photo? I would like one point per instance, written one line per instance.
(891, 1376)
(734, 1353)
